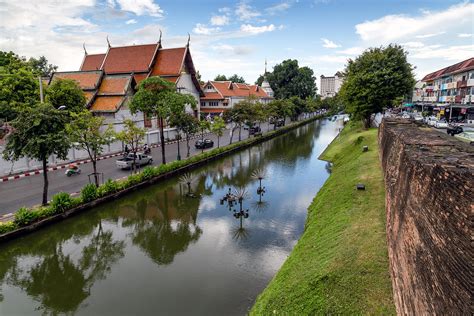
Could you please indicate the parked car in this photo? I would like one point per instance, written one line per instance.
(140, 160)
(204, 143)
(430, 120)
(254, 130)
(441, 124)
(467, 137)
(418, 118)
(454, 129)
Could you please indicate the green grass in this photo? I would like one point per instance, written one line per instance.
(340, 264)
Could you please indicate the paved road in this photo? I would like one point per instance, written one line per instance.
(28, 191)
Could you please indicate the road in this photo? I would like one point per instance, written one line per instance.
(28, 191)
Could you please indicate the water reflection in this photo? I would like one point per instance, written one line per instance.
(174, 239)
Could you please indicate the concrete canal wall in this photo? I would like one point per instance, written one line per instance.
(429, 180)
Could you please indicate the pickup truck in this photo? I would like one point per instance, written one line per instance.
(140, 160)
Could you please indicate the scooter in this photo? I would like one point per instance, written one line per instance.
(72, 170)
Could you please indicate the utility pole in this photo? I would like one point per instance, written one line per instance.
(41, 89)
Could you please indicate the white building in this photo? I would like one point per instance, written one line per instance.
(330, 86)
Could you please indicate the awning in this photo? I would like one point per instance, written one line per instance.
(408, 105)
(212, 110)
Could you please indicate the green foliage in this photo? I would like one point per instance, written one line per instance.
(64, 92)
(148, 173)
(132, 135)
(133, 180)
(41, 67)
(288, 79)
(7, 227)
(375, 79)
(236, 78)
(220, 78)
(110, 186)
(61, 202)
(89, 192)
(25, 216)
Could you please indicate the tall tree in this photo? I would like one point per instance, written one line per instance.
(157, 97)
(38, 132)
(218, 127)
(67, 93)
(41, 67)
(187, 124)
(375, 79)
(288, 79)
(87, 132)
(133, 136)
(220, 78)
(236, 78)
(204, 125)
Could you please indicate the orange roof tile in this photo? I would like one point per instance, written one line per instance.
(127, 59)
(92, 62)
(87, 80)
(212, 96)
(172, 79)
(140, 77)
(228, 89)
(115, 84)
(107, 103)
(88, 95)
(204, 110)
(169, 61)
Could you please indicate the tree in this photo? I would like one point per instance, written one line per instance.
(280, 109)
(204, 125)
(236, 78)
(41, 67)
(375, 79)
(218, 127)
(157, 97)
(199, 78)
(299, 106)
(65, 92)
(220, 78)
(38, 132)
(241, 113)
(132, 136)
(288, 79)
(86, 132)
(187, 124)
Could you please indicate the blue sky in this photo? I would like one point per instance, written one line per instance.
(237, 36)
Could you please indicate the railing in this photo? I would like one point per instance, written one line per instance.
(461, 84)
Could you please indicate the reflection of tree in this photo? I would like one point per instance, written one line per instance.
(48, 274)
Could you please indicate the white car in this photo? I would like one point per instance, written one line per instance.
(466, 136)
(418, 118)
(441, 124)
(140, 160)
(431, 121)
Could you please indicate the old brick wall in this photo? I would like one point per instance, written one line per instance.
(429, 180)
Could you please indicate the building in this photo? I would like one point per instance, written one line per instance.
(330, 86)
(109, 80)
(449, 91)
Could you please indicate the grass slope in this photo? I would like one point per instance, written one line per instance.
(340, 264)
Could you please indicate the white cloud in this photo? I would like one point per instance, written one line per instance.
(232, 50)
(329, 44)
(220, 20)
(453, 53)
(139, 7)
(204, 30)
(430, 35)
(394, 27)
(131, 21)
(356, 50)
(277, 8)
(413, 44)
(463, 35)
(247, 28)
(245, 12)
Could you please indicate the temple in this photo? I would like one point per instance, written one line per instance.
(109, 80)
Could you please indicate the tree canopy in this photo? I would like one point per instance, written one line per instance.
(376, 79)
(234, 78)
(64, 92)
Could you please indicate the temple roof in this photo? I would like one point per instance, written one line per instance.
(87, 80)
(92, 62)
(115, 84)
(107, 103)
(128, 59)
(169, 61)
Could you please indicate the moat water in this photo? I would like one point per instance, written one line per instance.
(161, 252)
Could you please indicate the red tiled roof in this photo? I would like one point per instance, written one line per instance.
(107, 103)
(169, 61)
(92, 62)
(87, 80)
(172, 79)
(88, 95)
(204, 110)
(128, 59)
(140, 77)
(212, 96)
(228, 89)
(465, 65)
(115, 84)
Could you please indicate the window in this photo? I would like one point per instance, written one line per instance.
(471, 75)
(213, 103)
(203, 103)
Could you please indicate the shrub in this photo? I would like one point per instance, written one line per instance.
(89, 192)
(61, 202)
(7, 227)
(132, 180)
(25, 216)
(148, 173)
(45, 211)
(110, 186)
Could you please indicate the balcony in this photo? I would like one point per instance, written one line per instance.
(461, 84)
(458, 99)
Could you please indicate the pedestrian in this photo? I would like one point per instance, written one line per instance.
(126, 150)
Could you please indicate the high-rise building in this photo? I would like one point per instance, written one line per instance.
(330, 86)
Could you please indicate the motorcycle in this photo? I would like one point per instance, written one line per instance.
(72, 170)
(147, 151)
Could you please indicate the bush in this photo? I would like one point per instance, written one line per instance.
(132, 180)
(89, 192)
(110, 186)
(61, 202)
(25, 216)
(7, 227)
(148, 173)
(45, 211)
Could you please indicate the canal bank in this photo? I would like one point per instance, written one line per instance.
(340, 263)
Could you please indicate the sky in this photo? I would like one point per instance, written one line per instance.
(228, 37)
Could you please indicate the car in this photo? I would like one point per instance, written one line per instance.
(441, 124)
(204, 143)
(255, 130)
(467, 137)
(140, 160)
(454, 130)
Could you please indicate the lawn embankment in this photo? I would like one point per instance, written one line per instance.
(340, 264)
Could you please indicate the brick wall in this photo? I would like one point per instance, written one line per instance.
(429, 180)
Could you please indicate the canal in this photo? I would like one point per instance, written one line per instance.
(161, 252)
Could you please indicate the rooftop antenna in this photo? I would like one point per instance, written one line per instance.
(108, 42)
(189, 38)
(84, 46)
